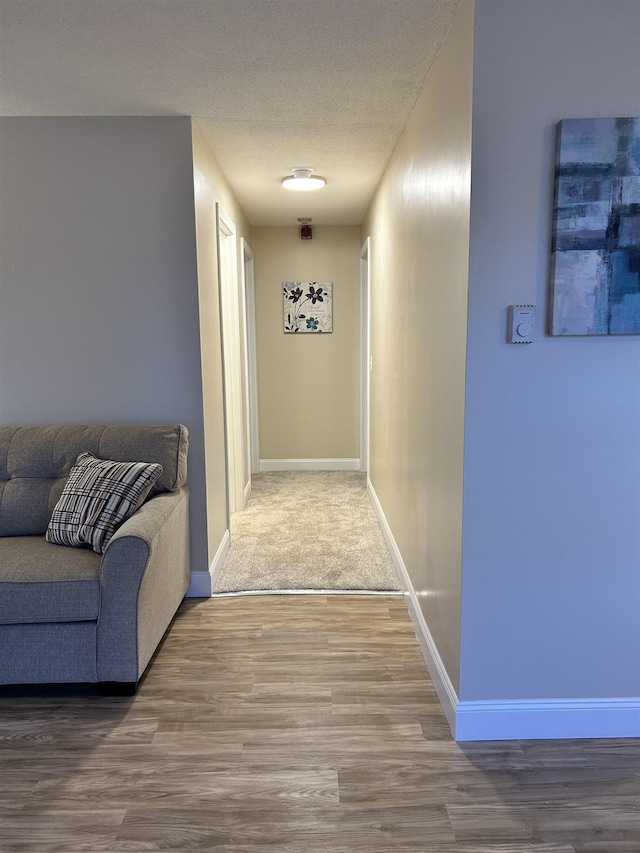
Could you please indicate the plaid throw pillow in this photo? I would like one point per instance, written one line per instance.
(98, 497)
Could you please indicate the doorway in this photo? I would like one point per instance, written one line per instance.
(365, 353)
(248, 310)
(238, 475)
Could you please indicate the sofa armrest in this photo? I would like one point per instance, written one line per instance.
(144, 575)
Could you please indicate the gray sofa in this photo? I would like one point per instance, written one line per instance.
(70, 614)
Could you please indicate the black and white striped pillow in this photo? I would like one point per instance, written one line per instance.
(98, 496)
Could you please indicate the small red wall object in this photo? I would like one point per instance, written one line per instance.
(306, 232)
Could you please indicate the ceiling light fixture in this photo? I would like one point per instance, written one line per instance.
(303, 179)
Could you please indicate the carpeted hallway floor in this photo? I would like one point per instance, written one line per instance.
(304, 530)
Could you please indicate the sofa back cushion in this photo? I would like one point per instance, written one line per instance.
(35, 462)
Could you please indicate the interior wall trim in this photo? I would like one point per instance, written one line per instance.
(441, 681)
(341, 464)
(548, 719)
(201, 584)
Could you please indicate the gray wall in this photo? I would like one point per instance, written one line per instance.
(98, 282)
(551, 545)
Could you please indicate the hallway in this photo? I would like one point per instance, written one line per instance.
(307, 531)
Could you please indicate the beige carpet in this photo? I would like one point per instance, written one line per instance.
(307, 531)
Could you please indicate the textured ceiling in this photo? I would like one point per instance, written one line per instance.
(274, 84)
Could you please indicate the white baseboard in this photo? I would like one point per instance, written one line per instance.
(510, 720)
(247, 492)
(201, 584)
(439, 676)
(309, 465)
(548, 719)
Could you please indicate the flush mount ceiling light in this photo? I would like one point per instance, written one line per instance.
(303, 179)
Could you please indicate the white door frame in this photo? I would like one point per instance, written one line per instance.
(250, 359)
(232, 366)
(365, 352)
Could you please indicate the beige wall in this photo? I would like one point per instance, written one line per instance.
(308, 384)
(419, 229)
(210, 187)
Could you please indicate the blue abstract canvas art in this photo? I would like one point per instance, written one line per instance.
(595, 271)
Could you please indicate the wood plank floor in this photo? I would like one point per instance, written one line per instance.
(295, 724)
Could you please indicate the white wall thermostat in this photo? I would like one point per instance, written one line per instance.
(522, 324)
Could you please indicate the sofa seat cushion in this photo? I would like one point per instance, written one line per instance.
(42, 582)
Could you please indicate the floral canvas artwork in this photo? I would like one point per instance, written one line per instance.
(308, 306)
(595, 279)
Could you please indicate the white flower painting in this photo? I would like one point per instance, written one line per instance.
(308, 306)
